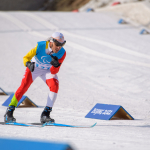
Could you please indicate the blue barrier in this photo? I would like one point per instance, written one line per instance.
(144, 31)
(24, 102)
(122, 21)
(108, 112)
(15, 144)
(89, 10)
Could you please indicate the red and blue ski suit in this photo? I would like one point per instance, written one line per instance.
(43, 68)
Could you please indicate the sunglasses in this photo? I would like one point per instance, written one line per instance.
(58, 43)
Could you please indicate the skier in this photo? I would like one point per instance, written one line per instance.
(44, 61)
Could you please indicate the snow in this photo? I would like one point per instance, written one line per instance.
(106, 63)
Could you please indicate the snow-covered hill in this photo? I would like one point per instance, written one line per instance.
(106, 63)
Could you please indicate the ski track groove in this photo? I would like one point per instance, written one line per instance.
(50, 26)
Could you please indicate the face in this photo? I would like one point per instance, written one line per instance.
(54, 48)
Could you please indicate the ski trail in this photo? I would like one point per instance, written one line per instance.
(104, 43)
(96, 53)
(84, 49)
(14, 20)
(41, 21)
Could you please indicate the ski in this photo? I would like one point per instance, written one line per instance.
(66, 125)
(20, 124)
(46, 124)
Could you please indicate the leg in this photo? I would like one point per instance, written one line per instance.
(25, 84)
(53, 84)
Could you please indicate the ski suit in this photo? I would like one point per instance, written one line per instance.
(48, 73)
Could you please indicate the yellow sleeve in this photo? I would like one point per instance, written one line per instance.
(29, 55)
(47, 43)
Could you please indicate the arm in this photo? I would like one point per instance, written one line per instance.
(55, 70)
(29, 55)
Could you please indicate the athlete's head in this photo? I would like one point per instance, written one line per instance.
(57, 41)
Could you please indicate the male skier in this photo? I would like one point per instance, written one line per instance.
(42, 61)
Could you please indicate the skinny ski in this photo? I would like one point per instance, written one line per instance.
(20, 124)
(66, 125)
(47, 124)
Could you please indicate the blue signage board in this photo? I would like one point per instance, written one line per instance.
(107, 112)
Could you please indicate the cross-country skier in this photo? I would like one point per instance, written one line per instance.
(42, 61)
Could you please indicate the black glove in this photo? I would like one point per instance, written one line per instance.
(54, 61)
(30, 65)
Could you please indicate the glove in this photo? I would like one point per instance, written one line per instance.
(54, 61)
(30, 65)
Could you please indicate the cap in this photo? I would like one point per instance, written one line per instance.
(58, 36)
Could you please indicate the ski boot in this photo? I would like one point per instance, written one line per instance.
(45, 116)
(8, 117)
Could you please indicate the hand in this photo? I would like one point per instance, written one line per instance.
(54, 61)
(30, 65)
